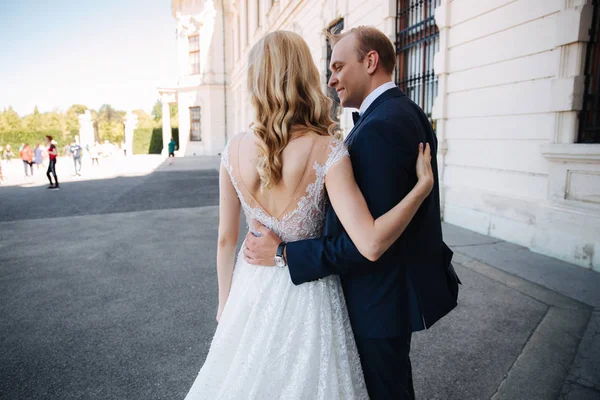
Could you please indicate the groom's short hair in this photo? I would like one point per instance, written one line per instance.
(369, 39)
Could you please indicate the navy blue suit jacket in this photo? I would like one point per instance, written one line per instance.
(413, 282)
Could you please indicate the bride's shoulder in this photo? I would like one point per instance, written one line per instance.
(236, 138)
(332, 149)
(330, 142)
(232, 146)
(237, 141)
(336, 145)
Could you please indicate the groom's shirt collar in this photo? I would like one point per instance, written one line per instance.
(374, 95)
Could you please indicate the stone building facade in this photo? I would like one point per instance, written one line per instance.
(511, 87)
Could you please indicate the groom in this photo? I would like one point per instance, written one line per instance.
(413, 284)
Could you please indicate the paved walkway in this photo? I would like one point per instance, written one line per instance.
(561, 358)
(108, 291)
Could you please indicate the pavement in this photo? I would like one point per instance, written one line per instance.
(108, 291)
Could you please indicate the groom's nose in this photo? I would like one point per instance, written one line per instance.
(332, 81)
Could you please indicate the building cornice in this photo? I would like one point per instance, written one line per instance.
(574, 152)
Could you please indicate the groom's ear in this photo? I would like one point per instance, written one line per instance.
(371, 61)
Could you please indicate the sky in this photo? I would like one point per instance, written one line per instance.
(57, 53)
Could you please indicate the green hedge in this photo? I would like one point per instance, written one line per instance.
(149, 140)
(175, 133)
(16, 138)
(145, 140)
(141, 140)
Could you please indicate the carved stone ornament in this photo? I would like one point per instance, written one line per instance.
(188, 25)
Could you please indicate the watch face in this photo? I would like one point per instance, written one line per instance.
(279, 261)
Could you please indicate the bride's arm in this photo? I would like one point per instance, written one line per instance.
(373, 237)
(229, 229)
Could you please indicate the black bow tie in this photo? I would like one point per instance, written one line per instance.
(355, 116)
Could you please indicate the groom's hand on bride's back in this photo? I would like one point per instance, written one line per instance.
(261, 245)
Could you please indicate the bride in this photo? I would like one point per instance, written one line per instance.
(276, 340)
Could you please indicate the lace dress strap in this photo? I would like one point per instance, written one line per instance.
(226, 162)
(225, 156)
(337, 152)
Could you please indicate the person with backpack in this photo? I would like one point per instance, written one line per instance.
(75, 151)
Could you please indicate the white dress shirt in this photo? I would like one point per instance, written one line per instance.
(374, 95)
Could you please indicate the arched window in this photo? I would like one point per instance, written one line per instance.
(194, 50)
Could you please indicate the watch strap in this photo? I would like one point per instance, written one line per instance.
(280, 250)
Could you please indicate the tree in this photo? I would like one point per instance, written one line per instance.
(144, 119)
(9, 120)
(174, 109)
(3, 122)
(13, 119)
(33, 122)
(72, 117)
(110, 124)
(157, 110)
(107, 113)
(53, 120)
(174, 115)
(77, 108)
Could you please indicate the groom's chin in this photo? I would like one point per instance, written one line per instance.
(347, 104)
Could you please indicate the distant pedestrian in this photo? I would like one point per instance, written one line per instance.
(75, 151)
(94, 154)
(7, 153)
(172, 145)
(26, 155)
(107, 149)
(52, 154)
(38, 156)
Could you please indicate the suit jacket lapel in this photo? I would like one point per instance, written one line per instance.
(388, 94)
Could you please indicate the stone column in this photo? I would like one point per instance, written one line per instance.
(131, 121)
(86, 129)
(167, 96)
(166, 127)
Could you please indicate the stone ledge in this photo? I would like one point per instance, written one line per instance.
(574, 152)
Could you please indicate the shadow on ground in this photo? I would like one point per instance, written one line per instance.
(158, 191)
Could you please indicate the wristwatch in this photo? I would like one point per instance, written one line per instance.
(279, 260)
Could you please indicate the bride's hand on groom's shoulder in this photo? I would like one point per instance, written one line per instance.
(261, 245)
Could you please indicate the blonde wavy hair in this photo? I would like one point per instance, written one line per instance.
(285, 91)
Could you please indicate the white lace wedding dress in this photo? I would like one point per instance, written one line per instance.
(276, 340)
